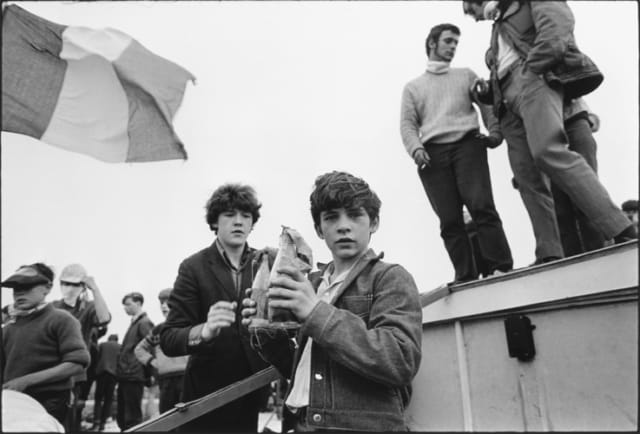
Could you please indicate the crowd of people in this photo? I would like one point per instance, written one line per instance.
(350, 362)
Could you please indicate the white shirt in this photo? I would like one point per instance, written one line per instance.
(299, 396)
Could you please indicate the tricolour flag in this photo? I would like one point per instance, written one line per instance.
(96, 92)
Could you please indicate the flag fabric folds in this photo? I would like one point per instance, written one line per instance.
(95, 92)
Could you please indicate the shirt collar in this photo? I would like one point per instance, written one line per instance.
(225, 258)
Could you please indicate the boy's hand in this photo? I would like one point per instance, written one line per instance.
(248, 308)
(221, 315)
(18, 384)
(293, 291)
(89, 283)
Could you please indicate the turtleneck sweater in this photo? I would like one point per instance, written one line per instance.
(437, 108)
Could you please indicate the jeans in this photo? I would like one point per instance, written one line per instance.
(577, 233)
(129, 404)
(459, 175)
(538, 153)
(103, 399)
(170, 391)
(56, 402)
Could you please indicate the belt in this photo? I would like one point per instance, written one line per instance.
(507, 74)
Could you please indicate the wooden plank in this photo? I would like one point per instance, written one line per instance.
(185, 412)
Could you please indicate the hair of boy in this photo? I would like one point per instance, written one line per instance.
(113, 337)
(335, 190)
(436, 31)
(232, 197)
(630, 205)
(135, 297)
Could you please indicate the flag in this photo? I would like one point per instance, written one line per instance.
(96, 92)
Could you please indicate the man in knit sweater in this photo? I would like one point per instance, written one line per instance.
(42, 346)
(440, 131)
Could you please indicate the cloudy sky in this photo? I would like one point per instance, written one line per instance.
(285, 91)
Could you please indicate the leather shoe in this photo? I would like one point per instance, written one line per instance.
(540, 261)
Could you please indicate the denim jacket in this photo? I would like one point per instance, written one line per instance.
(542, 33)
(366, 349)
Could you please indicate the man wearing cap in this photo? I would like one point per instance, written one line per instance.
(170, 370)
(129, 371)
(42, 346)
(93, 316)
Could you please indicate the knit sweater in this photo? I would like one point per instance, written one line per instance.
(438, 108)
(40, 341)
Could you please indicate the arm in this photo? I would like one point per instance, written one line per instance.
(56, 373)
(488, 118)
(388, 348)
(103, 315)
(554, 24)
(145, 351)
(410, 122)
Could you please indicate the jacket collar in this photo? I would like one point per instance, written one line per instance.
(219, 268)
(369, 257)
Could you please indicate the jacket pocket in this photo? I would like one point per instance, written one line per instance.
(356, 304)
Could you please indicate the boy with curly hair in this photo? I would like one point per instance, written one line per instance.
(359, 344)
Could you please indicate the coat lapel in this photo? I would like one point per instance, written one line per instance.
(363, 262)
(220, 273)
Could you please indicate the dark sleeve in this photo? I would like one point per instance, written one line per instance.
(184, 304)
(276, 347)
(71, 345)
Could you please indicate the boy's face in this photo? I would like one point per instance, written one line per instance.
(164, 307)
(131, 307)
(28, 298)
(234, 227)
(346, 232)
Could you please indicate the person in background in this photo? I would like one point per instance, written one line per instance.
(129, 371)
(42, 346)
(94, 316)
(204, 319)
(630, 209)
(536, 67)
(440, 131)
(105, 381)
(170, 370)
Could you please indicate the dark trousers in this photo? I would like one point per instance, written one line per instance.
(56, 402)
(103, 397)
(129, 403)
(459, 175)
(577, 233)
(170, 391)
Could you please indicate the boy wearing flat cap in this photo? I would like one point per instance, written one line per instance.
(42, 346)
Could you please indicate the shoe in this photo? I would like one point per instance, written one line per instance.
(544, 260)
(629, 234)
(497, 272)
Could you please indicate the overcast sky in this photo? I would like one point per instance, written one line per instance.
(285, 92)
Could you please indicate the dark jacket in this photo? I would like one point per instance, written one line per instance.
(129, 368)
(107, 357)
(366, 349)
(203, 279)
(542, 33)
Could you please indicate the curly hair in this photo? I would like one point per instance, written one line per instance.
(342, 190)
(231, 197)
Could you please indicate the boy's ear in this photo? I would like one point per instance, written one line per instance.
(319, 231)
(373, 227)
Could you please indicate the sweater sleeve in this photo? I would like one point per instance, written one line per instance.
(71, 345)
(410, 121)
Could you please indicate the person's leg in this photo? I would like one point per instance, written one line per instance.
(581, 140)
(439, 183)
(120, 418)
(133, 412)
(471, 170)
(533, 187)
(540, 108)
(98, 398)
(110, 385)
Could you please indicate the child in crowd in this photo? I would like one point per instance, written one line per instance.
(42, 346)
(169, 370)
(359, 344)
